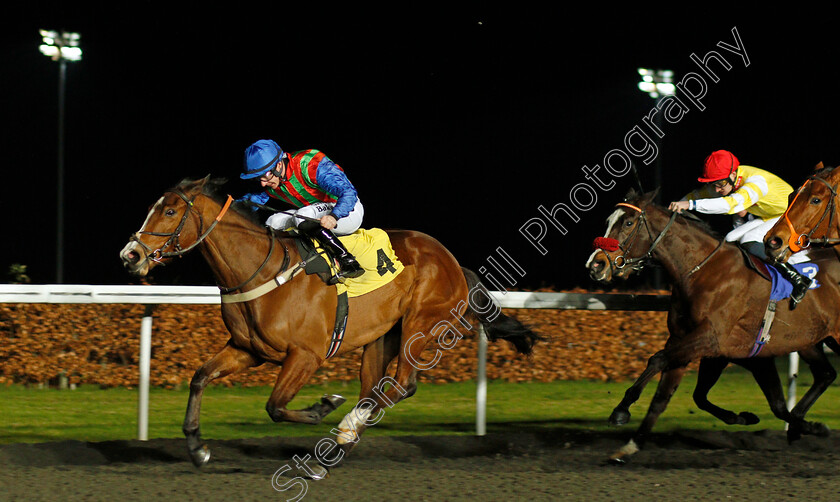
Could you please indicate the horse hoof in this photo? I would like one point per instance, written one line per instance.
(616, 460)
(747, 418)
(318, 472)
(333, 400)
(619, 417)
(200, 456)
(624, 453)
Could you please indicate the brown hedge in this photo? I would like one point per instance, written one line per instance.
(99, 344)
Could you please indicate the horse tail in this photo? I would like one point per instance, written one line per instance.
(496, 324)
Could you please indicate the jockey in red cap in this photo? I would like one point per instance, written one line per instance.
(758, 197)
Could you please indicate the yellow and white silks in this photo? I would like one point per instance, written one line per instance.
(761, 193)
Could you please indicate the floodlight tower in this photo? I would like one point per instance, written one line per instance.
(62, 47)
(658, 84)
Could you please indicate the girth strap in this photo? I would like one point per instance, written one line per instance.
(341, 311)
(763, 335)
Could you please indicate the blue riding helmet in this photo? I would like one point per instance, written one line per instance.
(260, 158)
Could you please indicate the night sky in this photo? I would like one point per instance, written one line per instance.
(458, 123)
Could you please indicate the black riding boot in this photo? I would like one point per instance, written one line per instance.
(800, 282)
(348, 267)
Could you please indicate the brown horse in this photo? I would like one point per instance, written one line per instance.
(717, 307)
(811, 218)
(292, 325)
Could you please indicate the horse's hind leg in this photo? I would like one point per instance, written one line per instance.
(229, 360)
(668, 384)
(824, 374)
(376, 358)
(707, 376)
(408, 347)
(298, 367)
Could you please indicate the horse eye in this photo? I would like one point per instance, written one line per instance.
(629, 223)
(170, 212)
(815, 200)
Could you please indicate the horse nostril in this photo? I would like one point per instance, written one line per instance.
(131, 258)
(774, 243)
(598, 265)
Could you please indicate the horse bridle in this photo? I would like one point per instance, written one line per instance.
(639, 262)
(159, 254)
(798, 240)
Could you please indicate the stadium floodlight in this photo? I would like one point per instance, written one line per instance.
(62, 47)
(657, 82)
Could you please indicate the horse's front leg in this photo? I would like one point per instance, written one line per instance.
(229, 360)
(668, 384)
(621, 414)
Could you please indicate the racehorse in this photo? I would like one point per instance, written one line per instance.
(714, 315)
(812, 212)
(292, 325)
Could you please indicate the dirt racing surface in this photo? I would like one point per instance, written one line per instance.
(544, 464)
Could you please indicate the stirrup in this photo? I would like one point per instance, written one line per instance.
(352, 270)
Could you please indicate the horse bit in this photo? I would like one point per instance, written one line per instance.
(639, 262)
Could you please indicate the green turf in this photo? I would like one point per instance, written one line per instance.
(92, 414)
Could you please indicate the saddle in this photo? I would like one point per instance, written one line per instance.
(780, 287)
(372, 249)
(755, 263)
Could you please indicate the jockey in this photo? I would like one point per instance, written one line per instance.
(308, 180)
(752, 193)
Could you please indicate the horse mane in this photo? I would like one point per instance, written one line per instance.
(214, 188)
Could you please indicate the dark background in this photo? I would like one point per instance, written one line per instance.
(458, 122)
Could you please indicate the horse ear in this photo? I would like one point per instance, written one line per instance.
(631, 195)
(650, 196)
(200, 184)
(819, 166)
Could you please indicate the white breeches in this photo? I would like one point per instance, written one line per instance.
(754, 230)
(346, 225)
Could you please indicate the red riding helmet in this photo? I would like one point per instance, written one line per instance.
(719, 165)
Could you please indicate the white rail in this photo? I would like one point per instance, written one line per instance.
(209, 295)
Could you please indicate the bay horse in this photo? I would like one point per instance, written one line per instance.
(292, 325)
(811, 218)
(715, 315)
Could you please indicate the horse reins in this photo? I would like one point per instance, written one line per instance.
(799, 241)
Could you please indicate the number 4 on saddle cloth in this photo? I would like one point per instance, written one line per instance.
(372, 249)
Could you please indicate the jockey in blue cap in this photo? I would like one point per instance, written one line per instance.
(308, 180)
